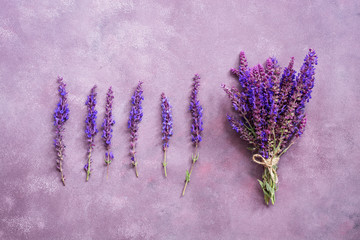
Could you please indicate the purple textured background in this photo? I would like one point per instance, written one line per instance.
(164, 43)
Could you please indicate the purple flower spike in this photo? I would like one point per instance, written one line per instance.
(90, 128)
(61, 115)
(167, 126)
(270, 111)
(196, 126)
(135, 118)
(107, 128)
(196, 112)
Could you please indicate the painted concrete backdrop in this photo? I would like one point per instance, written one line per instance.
(164, 43)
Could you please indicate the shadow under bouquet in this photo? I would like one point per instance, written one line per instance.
(269, 111)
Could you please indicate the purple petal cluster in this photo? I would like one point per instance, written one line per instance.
(270, 105)
(135, 118)
(196, 112)
(61, 115)
(107, 126)
(167, 122)
(90, 128)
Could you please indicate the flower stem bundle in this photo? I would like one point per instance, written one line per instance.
(269, 111)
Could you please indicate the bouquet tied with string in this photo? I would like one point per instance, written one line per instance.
(269, 111)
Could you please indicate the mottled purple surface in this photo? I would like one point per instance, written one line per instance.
(163, 43)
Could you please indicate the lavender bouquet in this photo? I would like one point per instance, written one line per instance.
(61, 114)
(135, 118)
(107, 129)
(269, 111)
(90, 129)
(167, 126)
(196, 126)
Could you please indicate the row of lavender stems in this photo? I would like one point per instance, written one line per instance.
(136, 114)
(269, 109)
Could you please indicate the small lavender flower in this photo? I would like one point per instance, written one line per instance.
(107, 128)
(61, 115)
(167, 126)
(196, 126)
(270, 110)
(135, 118)
(90, 128)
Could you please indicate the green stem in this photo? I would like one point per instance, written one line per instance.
(284, 151)
(250, 128)
(107, 162)
(61, 171)
(136, 171)
(268, 186)
(135, 163)
(194, 159)
(277, 149)
(88, 168)
(60, 164)
(165, 163)
(187, 180)
(274, 143)
(107, 171)
(183, 193)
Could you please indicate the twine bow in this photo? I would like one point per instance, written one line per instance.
(268, 163)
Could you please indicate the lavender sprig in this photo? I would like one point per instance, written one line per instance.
(61, 115)
(90, 129)
(135, 118)
(167, 126)
(196, 126)
(270, 111)
(107, 129)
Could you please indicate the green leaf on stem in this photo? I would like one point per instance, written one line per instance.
(273, 199)
(251, 149)
(106, 161)
(187, 178)
(268, 187)
(195, 158)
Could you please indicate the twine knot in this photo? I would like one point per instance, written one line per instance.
(268, 163)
